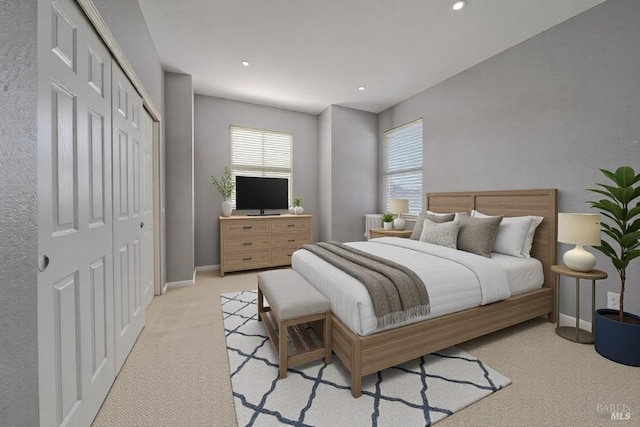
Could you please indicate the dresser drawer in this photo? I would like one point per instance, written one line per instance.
(246, 243)
(290, 224)
(245, 227)
(289, 240)
(282, 256)
(246, 260)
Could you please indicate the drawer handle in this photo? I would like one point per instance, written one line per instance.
(247, 258)
(247, 227)
(291, 240)
(291, 225)
(246, 244)
(289, 255)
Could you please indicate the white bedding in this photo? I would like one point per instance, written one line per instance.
(455, 280)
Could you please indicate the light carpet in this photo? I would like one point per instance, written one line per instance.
(420, 392)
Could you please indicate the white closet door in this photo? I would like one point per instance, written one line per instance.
(75, 289)
(128, 218)
(147, 209)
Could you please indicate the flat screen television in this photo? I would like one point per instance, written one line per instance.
(253, 192)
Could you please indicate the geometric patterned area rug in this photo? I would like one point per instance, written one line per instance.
(417, 393)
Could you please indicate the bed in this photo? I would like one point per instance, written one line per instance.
(368, 350)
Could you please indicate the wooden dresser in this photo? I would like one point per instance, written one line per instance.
(250, 242)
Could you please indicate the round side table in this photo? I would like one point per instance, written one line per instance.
(569, 332)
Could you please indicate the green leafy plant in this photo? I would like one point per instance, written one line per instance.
(297, 202)
(387, 217)
(622, 229)
(226, 185)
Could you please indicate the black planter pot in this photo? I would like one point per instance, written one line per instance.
(615, 340)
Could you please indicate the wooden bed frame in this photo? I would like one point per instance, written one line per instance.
(366, 355)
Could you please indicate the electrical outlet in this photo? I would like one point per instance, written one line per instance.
(613, 300)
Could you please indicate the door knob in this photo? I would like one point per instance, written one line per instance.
(43, 262)
(141, 224)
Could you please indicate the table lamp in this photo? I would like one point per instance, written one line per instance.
(398, 206)
(579, 229)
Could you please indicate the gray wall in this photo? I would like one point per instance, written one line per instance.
(213, 116)
(354, 171)
(18, 214)
(179, 176)
(324, 175)
(547, 113)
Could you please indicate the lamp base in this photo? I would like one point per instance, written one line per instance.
(578, 259)
(398, 223)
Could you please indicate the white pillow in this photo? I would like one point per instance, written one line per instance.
(511, 235)
(438, 213)
(443, 234)
(528, 241)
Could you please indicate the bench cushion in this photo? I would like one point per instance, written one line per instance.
(290, 295)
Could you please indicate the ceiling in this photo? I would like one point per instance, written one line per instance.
(308, 54)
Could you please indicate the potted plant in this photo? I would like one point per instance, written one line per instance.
(387, 221)
(225, 187)
(617, 333)
(297, 206)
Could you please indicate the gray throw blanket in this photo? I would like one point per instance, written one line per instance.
(397, 293)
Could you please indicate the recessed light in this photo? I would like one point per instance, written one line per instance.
(245, 63)
(362, 88)
(459, 4)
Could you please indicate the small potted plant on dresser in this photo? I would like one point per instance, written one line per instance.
(225, 187)
(617, 333)
(297, 206)
(387, 221)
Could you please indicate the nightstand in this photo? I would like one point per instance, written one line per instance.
(381, 232)
(569, 332)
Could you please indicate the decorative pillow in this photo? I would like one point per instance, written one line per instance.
(443, 234)
(476, 235)
(417, 229)
(513, 232)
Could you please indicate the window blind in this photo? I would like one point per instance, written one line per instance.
(256, 152)
(402, 171)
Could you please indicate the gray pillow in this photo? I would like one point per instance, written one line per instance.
(476, 235)
(417, 229)
(443, 234)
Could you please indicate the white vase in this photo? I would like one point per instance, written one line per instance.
(227, 208)
(299, 210)
(388, 225)
(292, 210)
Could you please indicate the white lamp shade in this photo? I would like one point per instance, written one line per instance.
(398, 206)
(579, 228)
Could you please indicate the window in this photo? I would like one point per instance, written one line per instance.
(402, 170)
(256, 152)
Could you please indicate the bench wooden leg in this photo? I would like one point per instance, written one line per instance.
(283, 348)
(326, 338)
(260, 304)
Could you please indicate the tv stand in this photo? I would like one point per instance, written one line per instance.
(247, 243)
(263, 214)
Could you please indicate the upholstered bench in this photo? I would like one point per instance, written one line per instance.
(293, 302)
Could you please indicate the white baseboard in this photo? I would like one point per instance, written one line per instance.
(180, 284)
(208, 267)
(193, 280)
(571, 321)
(164, 289)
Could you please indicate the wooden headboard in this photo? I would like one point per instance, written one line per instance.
(511, 203)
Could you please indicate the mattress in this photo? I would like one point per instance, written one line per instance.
(455, 280)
